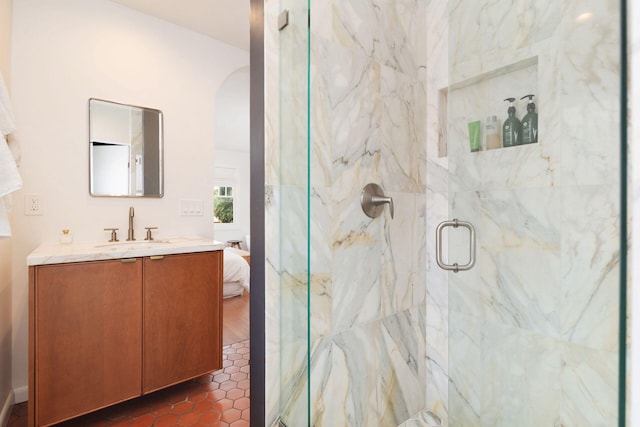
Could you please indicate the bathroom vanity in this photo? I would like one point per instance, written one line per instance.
(111, 322)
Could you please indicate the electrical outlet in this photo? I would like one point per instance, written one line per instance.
(33, 204)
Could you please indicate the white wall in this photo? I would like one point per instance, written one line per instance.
(67, 51)
(6, 395)
(232, 147)
(239, 160)
(232, 120)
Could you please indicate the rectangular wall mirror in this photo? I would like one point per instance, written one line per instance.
(125, 150)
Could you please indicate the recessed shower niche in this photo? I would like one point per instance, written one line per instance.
(483, 97)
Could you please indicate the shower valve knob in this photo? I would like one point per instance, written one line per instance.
(372, 200)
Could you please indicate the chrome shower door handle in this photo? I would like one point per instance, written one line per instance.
(472, 246)
(372, 200)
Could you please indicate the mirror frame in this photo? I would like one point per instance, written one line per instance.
(160, 152)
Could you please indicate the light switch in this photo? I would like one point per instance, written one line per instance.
(191, 207)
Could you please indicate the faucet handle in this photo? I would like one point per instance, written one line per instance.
(149, 237)
(114, 234)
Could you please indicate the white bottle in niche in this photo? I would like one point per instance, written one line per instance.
(66, 237)
(492, 133)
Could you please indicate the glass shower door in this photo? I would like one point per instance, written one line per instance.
(288, 211)
(533, 326)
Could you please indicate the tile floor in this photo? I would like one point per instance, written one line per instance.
(219, 399)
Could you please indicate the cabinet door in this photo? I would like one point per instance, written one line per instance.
(88, 337)
(182, 318)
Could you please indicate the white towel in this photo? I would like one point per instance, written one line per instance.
(5, 228)
(7, 124)
(10, 179)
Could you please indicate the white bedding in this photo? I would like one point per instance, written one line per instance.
(236, 273)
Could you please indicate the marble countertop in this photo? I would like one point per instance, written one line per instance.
(56, 253)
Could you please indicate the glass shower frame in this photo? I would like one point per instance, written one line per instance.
(493, 399)
(541, 322)
(288, 197)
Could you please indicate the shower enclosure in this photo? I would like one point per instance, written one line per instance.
(364, 328)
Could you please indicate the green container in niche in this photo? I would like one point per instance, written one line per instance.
(474, 135)
(512, 127)
(530, 122)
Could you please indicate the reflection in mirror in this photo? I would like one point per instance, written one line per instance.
(125, 153)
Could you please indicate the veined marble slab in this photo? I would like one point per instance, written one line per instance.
(56, 253)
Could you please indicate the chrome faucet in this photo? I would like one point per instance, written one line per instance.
(130, 232)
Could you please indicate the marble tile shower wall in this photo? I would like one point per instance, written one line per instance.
(532, 330)
(368, 360)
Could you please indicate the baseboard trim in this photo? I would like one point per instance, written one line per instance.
(21, 394)
(6, 409)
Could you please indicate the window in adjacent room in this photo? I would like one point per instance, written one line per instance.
(223, 196)
(223, 204)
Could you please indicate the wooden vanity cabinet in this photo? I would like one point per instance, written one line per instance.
(87, 337)
(182, 318)
(103, 332)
